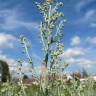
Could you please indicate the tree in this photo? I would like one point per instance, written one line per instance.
(5, 71)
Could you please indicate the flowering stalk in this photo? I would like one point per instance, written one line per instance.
(51, 37)
(47, 27)
(20, 69)
(25, 44)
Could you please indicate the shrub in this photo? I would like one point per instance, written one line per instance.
(5, 71)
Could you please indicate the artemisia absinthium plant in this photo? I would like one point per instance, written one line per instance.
(52, 80)
(51, 36)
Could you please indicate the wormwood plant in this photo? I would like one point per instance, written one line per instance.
(51, 37)
(52, 80)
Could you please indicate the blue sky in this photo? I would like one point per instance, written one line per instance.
(22, 17)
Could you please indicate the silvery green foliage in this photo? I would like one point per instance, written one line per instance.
(20, 83)
(48, 27)
(25, 45)
(52, 80)
(51, 36)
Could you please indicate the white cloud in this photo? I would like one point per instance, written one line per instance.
(11, 21)
(91, 40)
(81, 4)
(4, 4)
(11, 62)
(89, 14)
(0, 52)
(88, 18)
(6, 40)
(75, 40)
(80, 61)
(13, 65)
(73, 52)
(77, 55)
(93, 25)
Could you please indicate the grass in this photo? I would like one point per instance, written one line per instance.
(75, 88)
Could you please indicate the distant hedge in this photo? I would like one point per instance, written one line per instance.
(5, 71)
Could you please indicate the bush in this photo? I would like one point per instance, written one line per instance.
(5, 71)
